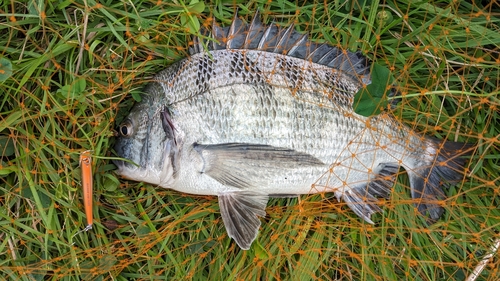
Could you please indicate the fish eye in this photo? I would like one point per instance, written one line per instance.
(126, 129)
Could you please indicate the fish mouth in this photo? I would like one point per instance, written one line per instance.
(118, 163)
(123, 148)
(120, 166)
(118, 147)
(129, 171)
(123, 167)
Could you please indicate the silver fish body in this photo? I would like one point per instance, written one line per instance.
(269, 113)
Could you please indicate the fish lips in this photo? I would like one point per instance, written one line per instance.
(121, 151)
(125, 169)
(120, 164)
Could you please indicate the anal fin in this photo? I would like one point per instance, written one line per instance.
(362, 198)
(361, 202)
(240, 213)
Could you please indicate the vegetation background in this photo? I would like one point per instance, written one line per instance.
(69, 68)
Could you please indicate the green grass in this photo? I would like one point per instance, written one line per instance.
(77, 66)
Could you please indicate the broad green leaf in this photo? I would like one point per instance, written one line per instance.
(44, 199)
(142, 231)
(189, 19)
(196, 7)
(74, 90)
(136, 96)
(370, 100)
(6, 146)
(111, 183)
(107, 262)
(36, 7)
(384, 17)
(86, 269)
(191, 22)
(5, 69)
(5, 170)
(260, 252)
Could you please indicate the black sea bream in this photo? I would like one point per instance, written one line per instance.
(263, 112)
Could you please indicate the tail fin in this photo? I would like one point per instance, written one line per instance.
(426, 183)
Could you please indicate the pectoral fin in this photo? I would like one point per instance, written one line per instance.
(241, 164)
(168, 125)
(171, 149)
(240, 213)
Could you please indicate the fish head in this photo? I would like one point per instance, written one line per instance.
(146, 139)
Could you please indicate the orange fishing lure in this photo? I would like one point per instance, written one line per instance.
(86, 165)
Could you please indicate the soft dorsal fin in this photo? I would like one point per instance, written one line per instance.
(286, 41)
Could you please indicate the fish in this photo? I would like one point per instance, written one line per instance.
(258, 111)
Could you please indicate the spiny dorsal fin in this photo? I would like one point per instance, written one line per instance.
(255, 32)
(237, 34)
(286, 41)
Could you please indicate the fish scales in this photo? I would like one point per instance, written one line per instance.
(269, 113)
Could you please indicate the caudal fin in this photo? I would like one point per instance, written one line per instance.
(426, 183)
